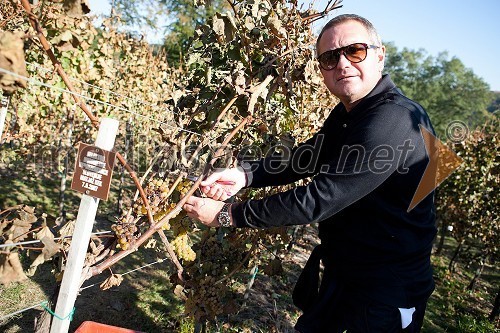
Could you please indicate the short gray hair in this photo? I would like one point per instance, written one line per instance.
(351, 17)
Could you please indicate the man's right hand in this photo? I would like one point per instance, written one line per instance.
(224, 183)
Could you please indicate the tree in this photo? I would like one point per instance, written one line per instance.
(137, 15)
(495, 104)
(243, 62)
(178, 20)
(444, 87)
(185, 16)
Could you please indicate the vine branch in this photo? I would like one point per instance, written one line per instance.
(94, 120)
(317, 16)
(157, 226)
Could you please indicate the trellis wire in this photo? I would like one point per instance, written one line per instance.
(96, 101)
(3, 70)
(131, 271)
(99, 88)
(41, 303)
(46, 70)
(114, 93)
(38, 241)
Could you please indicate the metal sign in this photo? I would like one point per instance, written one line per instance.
(93, 171)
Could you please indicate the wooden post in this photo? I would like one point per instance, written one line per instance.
(72, 277)
(3, 113)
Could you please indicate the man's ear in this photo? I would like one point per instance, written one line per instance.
(381, 57)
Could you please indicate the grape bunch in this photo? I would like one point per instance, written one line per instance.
(206, 298)
(183, 187)
(162, 213)
(126, 233)
(219, 254)
(156, 193)
(181, 225)
(182, 248)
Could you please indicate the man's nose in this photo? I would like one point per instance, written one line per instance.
(343, 61)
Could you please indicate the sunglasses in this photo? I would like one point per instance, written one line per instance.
(354, 53)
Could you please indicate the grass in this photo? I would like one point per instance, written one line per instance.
(144, 301)
(25, 294)
(451, 307)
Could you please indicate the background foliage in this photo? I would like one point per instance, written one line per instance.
(444, 87)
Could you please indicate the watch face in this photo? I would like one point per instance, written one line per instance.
(225, 221)
(223, 218)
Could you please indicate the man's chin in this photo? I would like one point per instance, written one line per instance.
(345, 94)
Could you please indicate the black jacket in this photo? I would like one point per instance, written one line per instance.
(366, 165)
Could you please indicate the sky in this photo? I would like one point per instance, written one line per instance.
(468, 30)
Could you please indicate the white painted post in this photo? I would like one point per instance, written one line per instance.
(80, 241)
(3, 113)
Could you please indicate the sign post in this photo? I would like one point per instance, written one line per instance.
(4, 104)
(94, 167)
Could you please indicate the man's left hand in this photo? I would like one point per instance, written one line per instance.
(204, 210)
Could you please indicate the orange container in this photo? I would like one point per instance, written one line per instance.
(93, 327)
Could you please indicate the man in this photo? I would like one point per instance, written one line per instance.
(370, 159)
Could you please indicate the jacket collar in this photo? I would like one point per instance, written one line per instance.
(383, 86)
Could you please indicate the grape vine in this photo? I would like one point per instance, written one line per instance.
(253, 66)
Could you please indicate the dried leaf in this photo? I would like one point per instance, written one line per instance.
(27, 214)
(223, 27)
(50, 249)
(67, 229)
(179, 292)
(218, 26)
(19, 229)
(12, 59)
(275, 26)
(29, 209)
(113, 280)
(65, 46)
(66, 36)
(20, 226)
(43, 233)
(76, 7)
(47, 238)
(11, 269)
(38, 261)
(3, 226)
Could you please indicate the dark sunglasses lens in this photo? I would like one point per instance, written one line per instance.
(355, 52)
(329, 59)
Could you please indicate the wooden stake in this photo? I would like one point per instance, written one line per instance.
(3, 113)
(72, 277)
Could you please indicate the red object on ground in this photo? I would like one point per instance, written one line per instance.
(93, 327)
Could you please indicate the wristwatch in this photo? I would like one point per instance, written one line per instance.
(223, 218)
